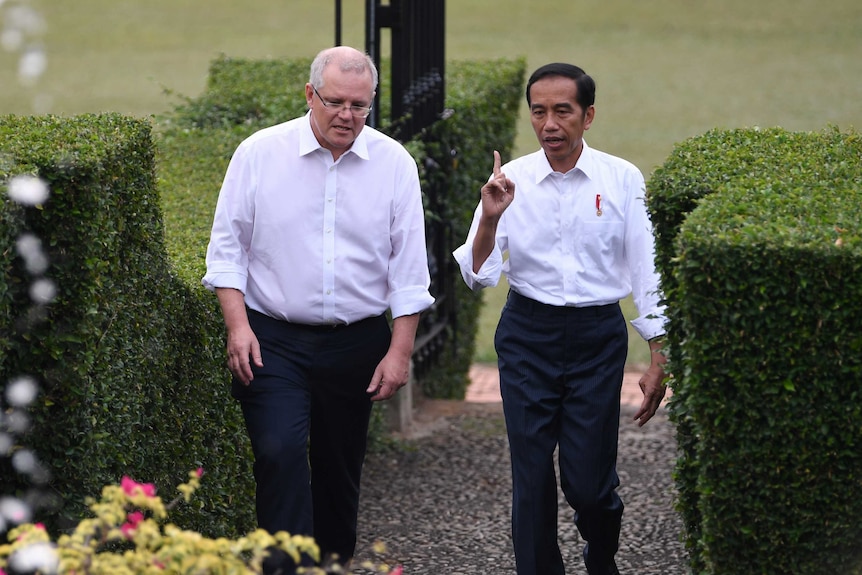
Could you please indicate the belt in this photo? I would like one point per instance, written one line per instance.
(532, 307)
(315, 327)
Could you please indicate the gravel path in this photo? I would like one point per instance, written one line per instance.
(441, 499)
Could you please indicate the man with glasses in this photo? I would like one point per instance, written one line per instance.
(318, 231)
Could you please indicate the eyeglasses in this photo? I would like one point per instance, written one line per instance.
(357, 111)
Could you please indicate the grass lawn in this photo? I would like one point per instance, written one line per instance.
(665, 70)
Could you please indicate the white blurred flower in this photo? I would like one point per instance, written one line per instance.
(26, 19)
(43, 291)
(6, 444)
(29, 247)
(17, 421)
(14, 510)
(24, 461)
(39, 557)
(21, 391)
(32, 65)
(11, 39)
(28, 190)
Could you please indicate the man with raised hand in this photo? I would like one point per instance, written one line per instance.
(575, 226)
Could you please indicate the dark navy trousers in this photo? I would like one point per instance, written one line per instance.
(561, 372)
(307, 415)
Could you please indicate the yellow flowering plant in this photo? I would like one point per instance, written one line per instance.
(128, 536)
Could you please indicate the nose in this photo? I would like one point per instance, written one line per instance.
(551, 122)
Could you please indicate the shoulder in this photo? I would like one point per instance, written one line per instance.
(615, 164)
(385, 147)
(523, 165)
(271, 134)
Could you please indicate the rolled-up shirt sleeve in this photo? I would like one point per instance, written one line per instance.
(489, 274)
(640, 254)
(227, 252)
(409, 278)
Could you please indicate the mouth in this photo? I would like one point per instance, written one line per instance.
(553, 141)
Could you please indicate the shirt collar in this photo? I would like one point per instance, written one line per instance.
(585, 163)
(308, 141)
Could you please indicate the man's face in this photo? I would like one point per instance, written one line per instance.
(333, 123)
(559, 121)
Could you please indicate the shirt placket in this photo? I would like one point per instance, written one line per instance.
(567, 209)
(330, 201)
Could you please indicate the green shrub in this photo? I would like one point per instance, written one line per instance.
(130, 354)
(760, 251)
(242, 96)
(124, 354)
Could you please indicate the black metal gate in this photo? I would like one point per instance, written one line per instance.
(418, 32)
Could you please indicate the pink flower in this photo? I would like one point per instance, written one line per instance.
(135, 517)
(200, 471)
(128, 530)
(130, 487)
(132, 519)
(397, 571)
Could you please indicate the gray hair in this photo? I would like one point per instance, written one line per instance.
(348, 60)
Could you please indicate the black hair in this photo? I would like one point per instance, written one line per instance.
(586, 95)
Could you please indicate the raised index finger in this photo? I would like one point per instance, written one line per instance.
(496, 163)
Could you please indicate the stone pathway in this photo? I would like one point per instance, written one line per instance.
(485, 385)
(441, 499)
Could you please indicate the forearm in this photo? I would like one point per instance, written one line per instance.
(404, 334)
(483, 242)
(232, 303)
(657, 358)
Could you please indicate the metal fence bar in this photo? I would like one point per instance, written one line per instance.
(418, 32)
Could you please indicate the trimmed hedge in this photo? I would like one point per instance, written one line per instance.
(242, 96)
(130, 355)
(760, 250)
(129, 379)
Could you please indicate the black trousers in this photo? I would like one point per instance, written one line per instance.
(561, 372)
(307, 415)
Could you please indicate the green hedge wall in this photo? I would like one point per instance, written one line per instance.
(760, 250)
(242, 96)
(130, 383)
(130, 355)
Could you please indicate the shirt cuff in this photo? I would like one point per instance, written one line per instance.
(214, 279)
(489, 273)
(651, 325)
(409, 301)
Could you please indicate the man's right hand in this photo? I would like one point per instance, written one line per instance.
(242, 346)
(498, 193)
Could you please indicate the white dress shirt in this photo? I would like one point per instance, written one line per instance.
(313, 241)
(561, 251)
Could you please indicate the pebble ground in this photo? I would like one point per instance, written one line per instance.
(440, 498)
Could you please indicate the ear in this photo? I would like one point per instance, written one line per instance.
(309, 95)
(589, 116)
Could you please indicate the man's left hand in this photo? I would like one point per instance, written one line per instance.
(652, 383)
(391, 375)
(653, 387)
